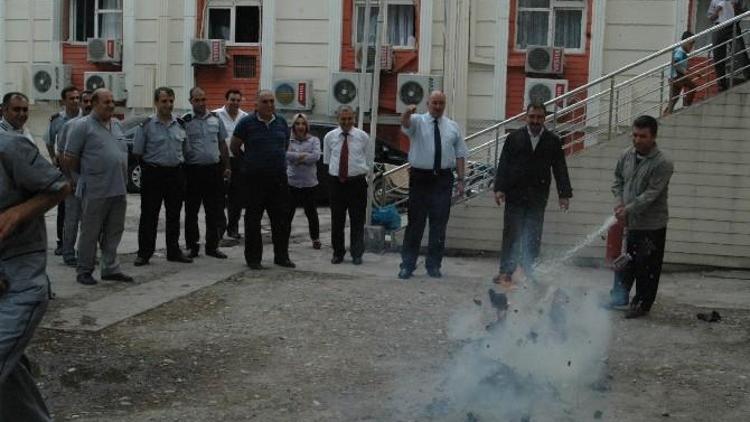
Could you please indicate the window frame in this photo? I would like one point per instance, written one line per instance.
(360, 4)
(555, 5)
(72, 16)
(232, 6)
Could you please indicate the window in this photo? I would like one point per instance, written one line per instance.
(398, 23)
(244, 67)
(95, 19)
(237, 24)
(557, 23)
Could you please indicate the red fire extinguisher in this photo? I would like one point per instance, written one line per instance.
(614, 241)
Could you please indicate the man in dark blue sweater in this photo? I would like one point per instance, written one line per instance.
(261, 139)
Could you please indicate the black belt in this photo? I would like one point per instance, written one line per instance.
(156, 166)
(441, 172)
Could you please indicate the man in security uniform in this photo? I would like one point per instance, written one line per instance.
(70, 101)
(29, 186)
(160, 146)
(207, 165)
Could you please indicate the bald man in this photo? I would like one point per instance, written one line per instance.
(436, 150)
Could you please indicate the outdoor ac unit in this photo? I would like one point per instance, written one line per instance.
(48, 80)
(346, 89)
(543, 90)
(545, 60)
(113, 81)
(386, 57)
(100, 50)
(205, 51)
(293, 95)
(415, 89)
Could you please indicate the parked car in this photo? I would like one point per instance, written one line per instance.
(383, 154)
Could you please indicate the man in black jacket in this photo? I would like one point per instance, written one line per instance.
(522, 182)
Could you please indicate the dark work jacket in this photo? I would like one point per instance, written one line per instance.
(524, 174)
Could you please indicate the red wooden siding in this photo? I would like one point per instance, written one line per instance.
(576, 65)
(216, 80)
(75, 55)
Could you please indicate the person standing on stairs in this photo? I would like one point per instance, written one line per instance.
(530, 156)
(436, 149)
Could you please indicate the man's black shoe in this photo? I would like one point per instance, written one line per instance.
(118, 277)
(140, 261)
(86, 279)
(71, 262)
(234, 235)
(256, 266)
(58, 250)
(357, 260)
(285, 263)
(193, 253)
(337, 260)
(180, 258)
(404, 274)
(434, 273)
(216, 254)
(636, 312)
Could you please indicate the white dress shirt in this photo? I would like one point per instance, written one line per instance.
(723, 8)
(229, 123)
(360, 160)
(534, 139)
(421, 133)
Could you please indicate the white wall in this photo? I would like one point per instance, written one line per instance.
(302, 45)
(28, 30)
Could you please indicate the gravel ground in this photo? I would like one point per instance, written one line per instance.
(281, 345)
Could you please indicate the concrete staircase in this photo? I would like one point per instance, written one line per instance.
(709, 194)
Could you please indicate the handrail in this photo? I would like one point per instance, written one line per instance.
(593, 83)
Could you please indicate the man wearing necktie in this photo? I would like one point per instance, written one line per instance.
(346, 152)
(436, 149)
(530, 156)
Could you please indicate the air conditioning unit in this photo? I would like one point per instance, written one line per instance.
(293, 95)
(386, 57)
(101, 50)
(205, 51)
(545, 60)
(48, 80)
(346, 89)
(415, 89)
(113, 81)
(543, 90)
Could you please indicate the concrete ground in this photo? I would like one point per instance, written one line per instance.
(213, 340)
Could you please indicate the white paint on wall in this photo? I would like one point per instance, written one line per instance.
(3, 66)
(501, 58)
(267, 44)
(425, 36)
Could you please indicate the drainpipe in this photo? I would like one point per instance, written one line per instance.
(3, 65)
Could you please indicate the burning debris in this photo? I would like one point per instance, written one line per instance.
(712, 317)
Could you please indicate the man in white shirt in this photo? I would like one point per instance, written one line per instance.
(230, 114)
(15, 114)
(720, 11)
(346, 152)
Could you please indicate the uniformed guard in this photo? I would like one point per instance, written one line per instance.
(160, 146)
(15, 114)
(207, 165)
(97, 151)
(29, 186)
(70, 99)
(72, 202)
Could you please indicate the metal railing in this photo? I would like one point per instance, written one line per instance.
(603, 108)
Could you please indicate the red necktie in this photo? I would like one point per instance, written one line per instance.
(344, 160)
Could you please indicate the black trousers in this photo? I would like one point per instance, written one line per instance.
(232, 199)
(159, 184)
(348, 197)
(522, 236)
(739, 55)
(646, 247)
(429, 198)
(267, 192)
(60, 222)
(204, 187)
(306, 198)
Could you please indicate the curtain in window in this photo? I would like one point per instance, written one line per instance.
(568, 28)
(532, 27)
(361, 23)
(110, 24)
(401, 25)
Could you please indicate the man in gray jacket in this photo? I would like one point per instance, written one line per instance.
(640, 189)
